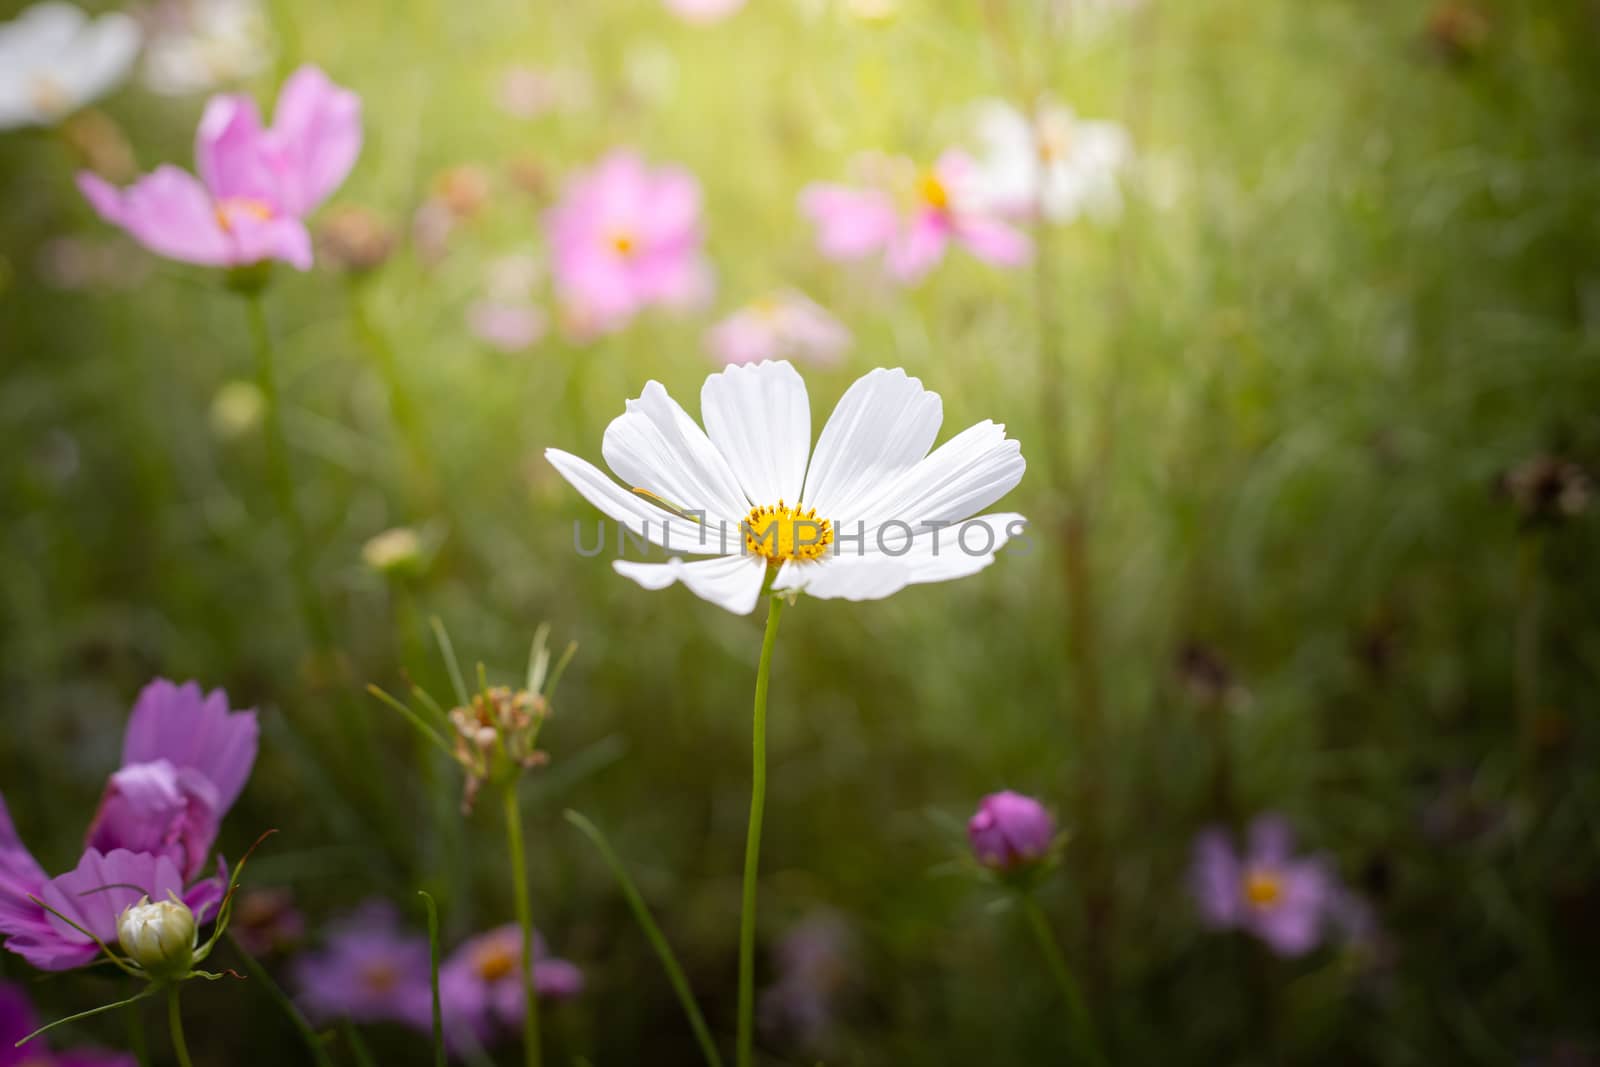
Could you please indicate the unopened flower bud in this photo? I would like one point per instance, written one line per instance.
(356, 239)
(236, 410)
(1010, 831)
(394, 552)
(159, 937)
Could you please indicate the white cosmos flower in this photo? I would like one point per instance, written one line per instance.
(870, 512)
(1051, 161)
(201, 45)
(54, 59)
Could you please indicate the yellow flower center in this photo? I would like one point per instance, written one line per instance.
(231, 210)
(780, 532)
(495, 962)
(49, 98)
(932, 191)
(1263, 889)
(622, 244)
(379, 977)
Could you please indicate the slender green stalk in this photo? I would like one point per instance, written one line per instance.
(137, 1040)
(752, 844)
(180, 1046)
(1526, 665)
(1083, 1033)
(281, 477)
(519, 883)
(358, 1046)
(658, 940)
(433, 978)
(319, 1054)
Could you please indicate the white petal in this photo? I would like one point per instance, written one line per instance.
(759, 418)
(730, 582)
(845, 577)
(655, 445)
(963, 476)
(102, 55)
(638, 515)
(953, 552)
(883, 425)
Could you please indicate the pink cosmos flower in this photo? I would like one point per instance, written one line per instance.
(17, 1021)
(368, 971)
(911, 218)
(480, 985)
(787, 325)
(625, 237)
(703, 10)
(185, 759)
(256, 185)
(1282, 899)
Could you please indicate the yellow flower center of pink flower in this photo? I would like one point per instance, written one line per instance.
(780, 532)
(623, 244)
(1263, 889)
(231, 210)
(494, 962)
(932, 191)
(379, 977)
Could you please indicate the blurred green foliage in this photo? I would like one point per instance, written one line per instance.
(1356, 281)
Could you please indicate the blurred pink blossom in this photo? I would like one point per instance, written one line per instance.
(911, 217)
(256, 185)
(510, 327)
(786, 325)
(531, 92)
(625, 237)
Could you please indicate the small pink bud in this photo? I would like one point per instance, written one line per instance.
(1010, 831)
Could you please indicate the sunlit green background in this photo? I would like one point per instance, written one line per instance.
(1356, 280)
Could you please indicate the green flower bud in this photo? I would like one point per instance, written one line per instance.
(159, 937)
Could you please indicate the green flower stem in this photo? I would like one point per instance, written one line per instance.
(752, 846)
(278, 471)
(658, 940)
(519, 882)
(319, 1054)
(1083, 1033)
(180, 1047)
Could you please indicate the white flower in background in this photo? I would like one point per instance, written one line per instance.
(1052, 161)
(703, 10)
(54, 59)
(870, 512)
(196, 46)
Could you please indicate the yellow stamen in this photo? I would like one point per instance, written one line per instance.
(622, 244)
(932, 191)
(495, 962)
(379, 977)
(780, 532)
(1263, 889)
(231, 209)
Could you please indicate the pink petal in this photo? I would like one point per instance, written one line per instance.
(918, 248)
(231, 152)
(317, 133)
(851, 223)
(168, 211)
(196, 730)
(993, 241)
(744, 337)
(673, 212)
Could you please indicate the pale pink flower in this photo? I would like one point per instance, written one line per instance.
(256, 185)
(507, 326)
(785, 325)
(625, 237)
(911, 218)
(703, 10)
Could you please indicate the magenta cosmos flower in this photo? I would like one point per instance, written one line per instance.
(912, 217)
(480, 985)
(256, 185)
(1281, 899)
(1010, 831)
(185, 759)
(786, 325)
(368, 971)
(625, 237)
(17, 1021)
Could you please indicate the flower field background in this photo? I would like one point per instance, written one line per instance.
(1310, 403)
